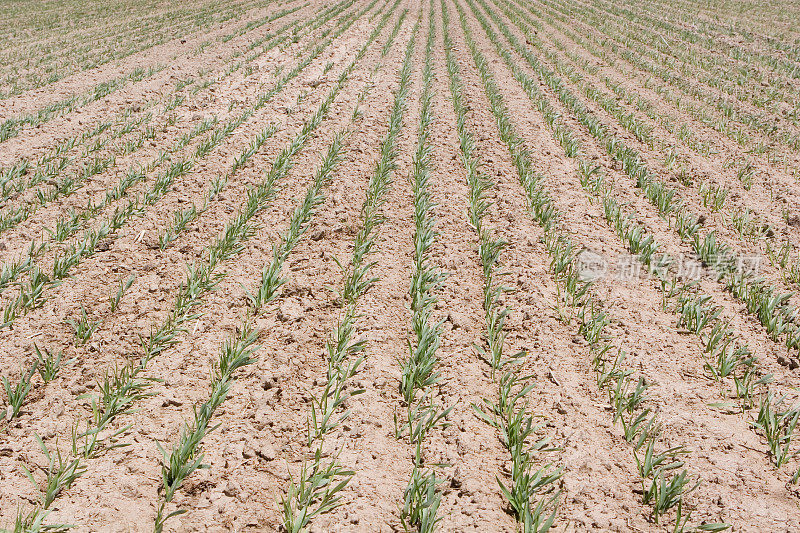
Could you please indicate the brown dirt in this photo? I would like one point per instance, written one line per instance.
(261, 443)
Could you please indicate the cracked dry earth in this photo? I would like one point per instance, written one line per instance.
(399, 265)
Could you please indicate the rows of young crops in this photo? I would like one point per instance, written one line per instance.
(41, 46)
(123, 386)
(457, 265)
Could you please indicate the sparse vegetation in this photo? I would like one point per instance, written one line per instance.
(452, 265)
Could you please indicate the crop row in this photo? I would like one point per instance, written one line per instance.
(664, 480)
(50, 58)
(727, 357)
(39, 281)
(766, 302)
(531, 491)
(126, 386)
(317, 488)
(745, 221)
(32, 295)
(418, 372)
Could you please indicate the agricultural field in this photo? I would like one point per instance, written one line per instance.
(399, 265)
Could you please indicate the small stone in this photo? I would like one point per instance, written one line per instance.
(57, 408)
(290, 312)
(232, 489)
(458, 321)
(267, 452)
(171, 401)
(462, 447)
(7, 451)
(455, 481)
(234, 450)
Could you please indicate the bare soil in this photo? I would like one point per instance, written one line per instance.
(260, 443)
